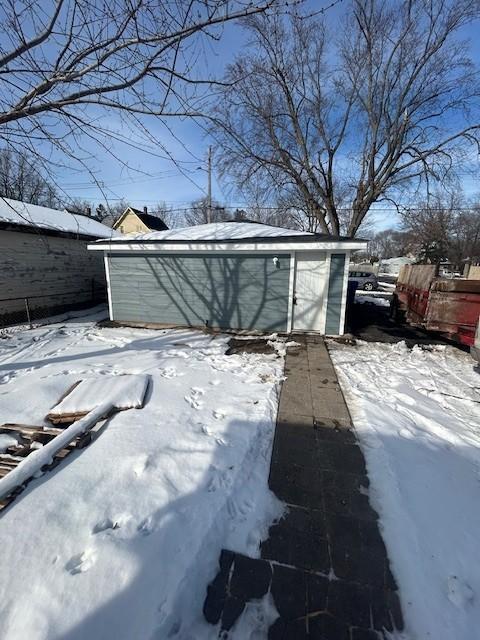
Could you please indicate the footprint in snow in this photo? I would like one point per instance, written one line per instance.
(81, 562)
(193, 402)
(206, 430)
(194, 398)
(238, 510)
(220, 479)
(143, 463)
(460, 593)
(11, 375)
(405, 433)
(104, 525)
(178, 354)
(197, 392)
(169, 372)
(219, 414)
(145, 527)
(211, 434)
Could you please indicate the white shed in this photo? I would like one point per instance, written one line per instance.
(44, 262)
(230, 275)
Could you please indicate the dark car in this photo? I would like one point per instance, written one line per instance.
(365, 280)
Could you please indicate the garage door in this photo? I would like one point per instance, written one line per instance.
(228, 291)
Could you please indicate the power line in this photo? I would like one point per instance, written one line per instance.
(171, 173)
(187, 206)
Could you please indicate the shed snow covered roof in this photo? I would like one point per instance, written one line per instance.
(226, 232)
(23, 214)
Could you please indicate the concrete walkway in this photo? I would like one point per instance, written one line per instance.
(325, 562)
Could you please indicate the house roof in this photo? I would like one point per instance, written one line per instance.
(229, 232)
(152, 222)
(31, 216)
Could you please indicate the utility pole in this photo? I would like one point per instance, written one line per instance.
(209, 188)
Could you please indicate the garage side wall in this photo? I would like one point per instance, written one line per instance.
(335, 302)
(225, 291)
(53, 272)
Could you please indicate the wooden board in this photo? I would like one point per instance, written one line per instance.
(29, 430)
(82, 397)
(61, 442)
(29, 434)
(66, 418)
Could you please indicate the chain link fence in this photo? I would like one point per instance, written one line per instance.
(35, 308)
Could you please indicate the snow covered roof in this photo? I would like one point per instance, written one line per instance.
(32, 215)
(398, 260)
(224, 232)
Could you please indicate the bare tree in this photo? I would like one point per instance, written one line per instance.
(20, 180)
(391, 243)
(76, 75)
(198, 213)
(282, 216)
(445, 227)
(103, 212)
(467, 235)
(80, 205)
(173, 217)
(298, 213)
(351, 120)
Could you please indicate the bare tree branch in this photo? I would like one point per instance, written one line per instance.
(350, 121)
(66, 61)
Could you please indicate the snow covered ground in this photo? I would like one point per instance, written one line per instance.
(417, 414)
(377, 298)
(386, 286)
(121, 540)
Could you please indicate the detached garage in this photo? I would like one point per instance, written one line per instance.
(230, 275)
(45, 267)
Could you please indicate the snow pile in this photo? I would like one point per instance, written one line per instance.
(32, 215)
(219, 231)
(257, 618)
(123, 392)
(362, 297)
(417, 414)
(7, 440)
(386, 286)
(121, 540)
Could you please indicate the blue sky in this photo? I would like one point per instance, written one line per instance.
(188, 145)
(159, 180)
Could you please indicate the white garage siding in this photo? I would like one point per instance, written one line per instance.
(42, 267)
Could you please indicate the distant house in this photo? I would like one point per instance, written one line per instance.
(136, 221)
(392, 266)
(44, 263)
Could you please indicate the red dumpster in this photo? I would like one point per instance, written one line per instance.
(451, 307)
